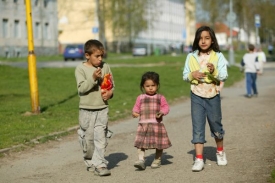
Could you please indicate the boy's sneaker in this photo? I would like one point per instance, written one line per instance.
(140, 165)
(221, 158)
(91, 168)
(198, 165)
(103, 171)
(156, 163)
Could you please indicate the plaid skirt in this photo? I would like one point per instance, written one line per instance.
(152, 136)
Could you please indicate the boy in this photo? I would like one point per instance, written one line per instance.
(251, 69)
(93, 107)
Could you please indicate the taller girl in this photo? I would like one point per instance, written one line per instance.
(204, 68)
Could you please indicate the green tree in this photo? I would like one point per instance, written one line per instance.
(129, 18)
(126, 18)
(245, 11)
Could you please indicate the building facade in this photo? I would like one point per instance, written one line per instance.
(169, 28)
(13, 32)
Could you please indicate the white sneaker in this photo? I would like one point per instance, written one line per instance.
(198, 165)
(221, 158)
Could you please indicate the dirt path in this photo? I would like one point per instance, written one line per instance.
(249, 144)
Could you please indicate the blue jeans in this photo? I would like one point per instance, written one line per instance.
(92, 136)
(251, 83)
(202, 109)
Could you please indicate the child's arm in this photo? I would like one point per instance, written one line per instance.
(83, 84)
(188, 75)
(136, 108)
(107, 94)
(135, 115)
(97, 74)
(186, 70)
(164, 107)
(221, 73)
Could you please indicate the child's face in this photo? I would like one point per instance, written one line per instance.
(205, 41)
(150, 87)
(94, 59)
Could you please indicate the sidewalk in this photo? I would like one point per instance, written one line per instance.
(249, 143)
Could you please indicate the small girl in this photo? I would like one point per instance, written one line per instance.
(204, 68)
(151, 133)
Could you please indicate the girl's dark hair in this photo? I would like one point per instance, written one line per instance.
(214, 46)
(149, 75)
(92, 45)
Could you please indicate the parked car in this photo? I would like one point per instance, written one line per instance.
(139, 51)
(73, 52)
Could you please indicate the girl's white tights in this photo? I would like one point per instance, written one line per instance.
(141, 154)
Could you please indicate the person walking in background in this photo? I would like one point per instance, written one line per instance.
(251, 67)
(150, 107)
(204, 68)
(270, 49)
(261, 59)
(93, 107)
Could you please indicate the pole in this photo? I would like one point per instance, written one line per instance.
(257, 35)
(32, 62)
(257, 25)
(231, 50)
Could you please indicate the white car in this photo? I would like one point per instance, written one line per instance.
(139, 51)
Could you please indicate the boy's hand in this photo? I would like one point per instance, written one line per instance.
(198, 75)
(135, 115)
(97, 73)
(106, 94)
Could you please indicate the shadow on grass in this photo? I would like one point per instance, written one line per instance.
(60, 102)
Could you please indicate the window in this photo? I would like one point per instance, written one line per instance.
(37, 30)
(46, 3)
(5, 23)
(16, 29)
(36, 2)
(47, 31)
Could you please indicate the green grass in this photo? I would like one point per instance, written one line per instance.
(272, 179)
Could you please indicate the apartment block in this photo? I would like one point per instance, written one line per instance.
(13, 28)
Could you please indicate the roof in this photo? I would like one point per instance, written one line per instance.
(220, 28)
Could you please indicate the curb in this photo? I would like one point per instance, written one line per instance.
(36, 140)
